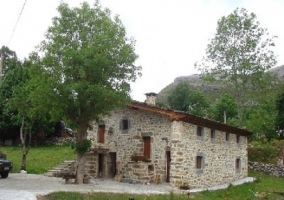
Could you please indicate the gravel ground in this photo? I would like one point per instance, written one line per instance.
(26, 186)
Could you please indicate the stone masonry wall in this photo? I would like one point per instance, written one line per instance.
(219, 157)
(178, 137)
(142, 123)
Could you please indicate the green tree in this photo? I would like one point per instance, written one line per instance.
(279, 122)
(260, 119)
(188, 100)
(11, 75)
(225, 106)
(86, 69)
(178, 99)
(239, 55)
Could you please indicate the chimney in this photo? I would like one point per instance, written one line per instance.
(151, 98)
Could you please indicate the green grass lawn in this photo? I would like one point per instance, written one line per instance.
(39, 159)
(263, 188)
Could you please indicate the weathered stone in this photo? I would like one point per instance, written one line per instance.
(178, 138)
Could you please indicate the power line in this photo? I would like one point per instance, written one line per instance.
(17, 23)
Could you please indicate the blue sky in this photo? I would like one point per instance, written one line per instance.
(170, 35)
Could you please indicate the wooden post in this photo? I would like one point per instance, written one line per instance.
(225, 118)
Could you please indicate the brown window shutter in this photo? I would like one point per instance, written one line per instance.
(101, 136)
(147, 146)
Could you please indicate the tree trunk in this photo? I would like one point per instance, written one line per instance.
(81, 158)
(24, 158)
(23, 144)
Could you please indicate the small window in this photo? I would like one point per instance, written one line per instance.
(212, 134)
(227, 137)
(200, 132)
(238, 139)
(198, 162)
(124, 124)
(238, 165)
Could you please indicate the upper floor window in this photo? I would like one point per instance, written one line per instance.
(227, 137)
(238, 139)
(124, 124)
(200, 132)
(212, 134)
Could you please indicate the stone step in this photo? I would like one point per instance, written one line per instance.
(49, 174)
(64, 166)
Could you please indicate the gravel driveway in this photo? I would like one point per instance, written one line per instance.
(26, 186)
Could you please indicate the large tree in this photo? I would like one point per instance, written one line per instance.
(239, 56)
(85, 71)
(185, 98)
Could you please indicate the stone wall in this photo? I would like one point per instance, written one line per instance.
(219, 157)
(270, 169)
(180, 139)
(142, 123)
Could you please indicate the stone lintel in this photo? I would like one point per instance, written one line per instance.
(146, 134)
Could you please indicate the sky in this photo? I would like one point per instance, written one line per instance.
(171, 35)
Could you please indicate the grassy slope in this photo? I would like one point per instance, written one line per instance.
(39, 159)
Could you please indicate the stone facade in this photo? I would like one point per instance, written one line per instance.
(174, 147)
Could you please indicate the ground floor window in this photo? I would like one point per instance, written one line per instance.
(199, 162)
(238, 165)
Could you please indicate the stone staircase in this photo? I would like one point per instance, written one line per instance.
(67, 165)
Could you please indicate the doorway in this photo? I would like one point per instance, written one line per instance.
(112, 168)
(100, 165)
(168, 165)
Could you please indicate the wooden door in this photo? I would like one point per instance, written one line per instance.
(147, 147)
(113, 170)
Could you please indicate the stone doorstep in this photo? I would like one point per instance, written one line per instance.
(223, 186)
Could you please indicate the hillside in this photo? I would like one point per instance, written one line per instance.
(211, 90)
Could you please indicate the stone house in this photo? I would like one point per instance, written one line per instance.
(152, 144)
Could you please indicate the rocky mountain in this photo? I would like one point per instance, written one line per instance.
(195, 81)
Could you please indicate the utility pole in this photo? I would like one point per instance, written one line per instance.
(225, 117)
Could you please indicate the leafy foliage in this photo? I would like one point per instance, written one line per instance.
(239, 55)
(86, 67)
(279, 122)
(189, 100)
(225, 104)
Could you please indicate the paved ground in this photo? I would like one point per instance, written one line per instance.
(26, 186)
